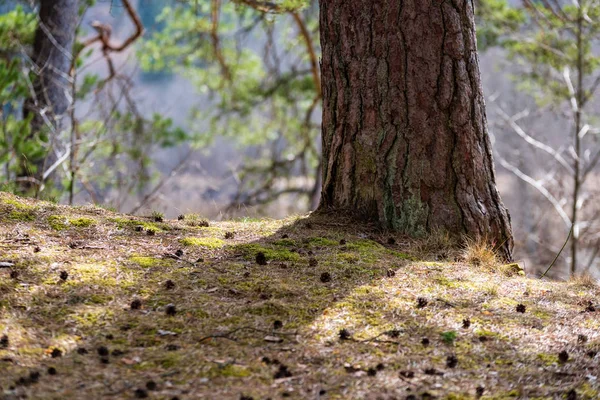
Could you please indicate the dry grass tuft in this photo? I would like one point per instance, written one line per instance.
(437, 244)
(584, 281)
(480, 253)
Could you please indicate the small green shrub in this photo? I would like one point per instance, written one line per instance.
(449, 337)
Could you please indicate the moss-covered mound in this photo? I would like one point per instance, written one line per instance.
(99, 305)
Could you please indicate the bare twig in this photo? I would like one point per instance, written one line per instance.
(540, 188)
(152, 193)
(536, 143)
(561, 250)
(228, 334)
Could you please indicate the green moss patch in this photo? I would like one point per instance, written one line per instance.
(285, 243)
(82, 222)
(322, 242)
(59, 222)
(16, 204)
(133, 223)
(272, 253)
(512, 269)
(17, 210)
(28, 215)
(208, 243)
(402, 256)
(150, 262)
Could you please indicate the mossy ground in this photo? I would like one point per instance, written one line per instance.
(221, 342)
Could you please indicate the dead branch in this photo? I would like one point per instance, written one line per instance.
(214, 34)
(104, 36)
(314, 63)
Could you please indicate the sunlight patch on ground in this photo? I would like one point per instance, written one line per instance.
(291, 308)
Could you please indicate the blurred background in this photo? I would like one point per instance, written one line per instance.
(214, 109)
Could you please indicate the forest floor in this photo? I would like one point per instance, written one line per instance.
(95, 304)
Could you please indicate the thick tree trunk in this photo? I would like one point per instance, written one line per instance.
(52, 57)
(405, 138)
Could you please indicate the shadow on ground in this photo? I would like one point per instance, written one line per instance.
(301, 308)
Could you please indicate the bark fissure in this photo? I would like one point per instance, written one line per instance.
(404, 125)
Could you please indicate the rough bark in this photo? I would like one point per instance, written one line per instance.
(52, 55)
(405, 138)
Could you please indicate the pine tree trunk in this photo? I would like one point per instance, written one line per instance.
(405, 138)
(52, 57)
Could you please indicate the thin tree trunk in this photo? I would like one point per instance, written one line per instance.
(577, 143)
(52, 54)
(405, 137)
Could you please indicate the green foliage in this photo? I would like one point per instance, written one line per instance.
(496, 20)
(449, 337)
(257, 100)
(13, 135)
(17, 28)
(125, 144)
(555, 56)
(89, 84)
(543, 42)
(113, 137)
(294, 5)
